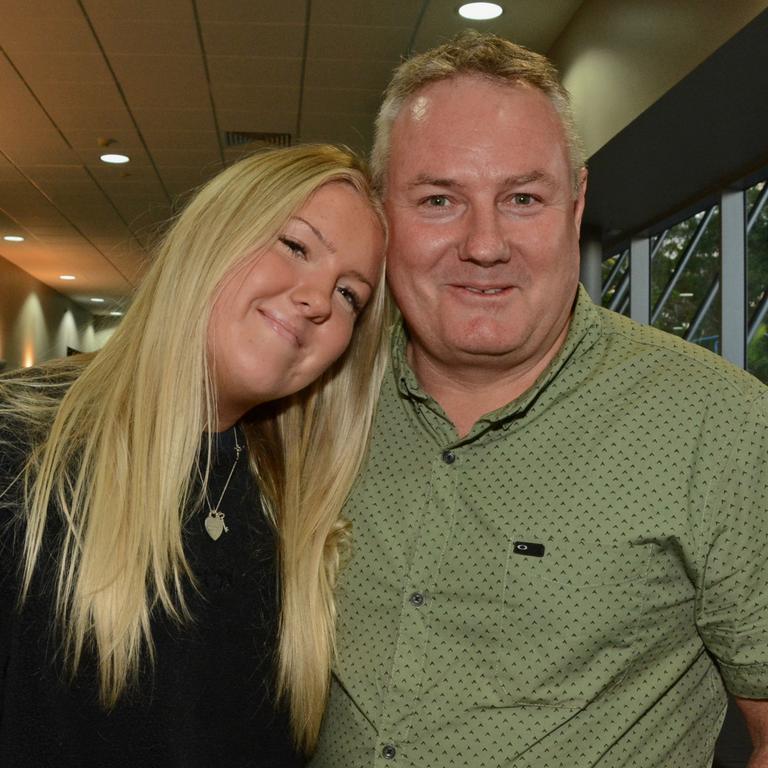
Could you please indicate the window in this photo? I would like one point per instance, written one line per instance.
(685, 279)
(615, 293)
(757, 280)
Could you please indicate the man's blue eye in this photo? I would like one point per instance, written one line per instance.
(523, 199)
(438, 201)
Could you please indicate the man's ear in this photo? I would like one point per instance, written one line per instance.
(579, 200)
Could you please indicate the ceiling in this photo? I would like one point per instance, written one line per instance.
(164, 81)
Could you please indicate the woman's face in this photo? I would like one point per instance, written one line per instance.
(288, 313)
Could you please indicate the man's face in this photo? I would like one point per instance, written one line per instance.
(483, 256)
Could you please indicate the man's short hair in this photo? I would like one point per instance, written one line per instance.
(473, 53)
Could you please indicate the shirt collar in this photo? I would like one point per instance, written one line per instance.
(584, 330)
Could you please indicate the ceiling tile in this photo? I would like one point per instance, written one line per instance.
(271, 41)
(182, 85)
(255, 70)
(173, 138)
(341, 100)
(56, 10)
(191, 158)
(147, 37)
(259, 11)
(56, 67)
(229, 97)
(354, 130)
(42, 33)
(258, 120)
(80, 96)
(344, 73)
(159, 118)
(358, 43)
(146, 10)
(101, 121)
(393, 13)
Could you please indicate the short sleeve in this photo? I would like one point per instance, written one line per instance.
(732, 609)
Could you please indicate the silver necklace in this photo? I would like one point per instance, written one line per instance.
(214, 522)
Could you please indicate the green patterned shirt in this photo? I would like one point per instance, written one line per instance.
(573, 582)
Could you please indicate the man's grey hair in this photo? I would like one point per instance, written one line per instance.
(473, 53)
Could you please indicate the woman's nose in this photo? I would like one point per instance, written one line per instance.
(313, 300)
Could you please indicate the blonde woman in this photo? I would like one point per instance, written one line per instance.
(170, 527)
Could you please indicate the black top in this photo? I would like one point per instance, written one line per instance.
(209, 699)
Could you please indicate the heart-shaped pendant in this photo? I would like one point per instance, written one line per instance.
(214, 524)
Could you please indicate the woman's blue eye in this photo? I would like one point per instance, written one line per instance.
(350, 297)
(297, 249)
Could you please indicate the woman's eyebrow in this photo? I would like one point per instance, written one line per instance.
(361, 277)
(327, 243)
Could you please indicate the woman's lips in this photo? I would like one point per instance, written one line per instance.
(281, 325)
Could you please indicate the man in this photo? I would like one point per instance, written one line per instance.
(559, 540)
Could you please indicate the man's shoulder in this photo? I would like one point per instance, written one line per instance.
(670, 360)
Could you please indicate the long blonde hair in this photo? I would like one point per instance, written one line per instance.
(115, 438)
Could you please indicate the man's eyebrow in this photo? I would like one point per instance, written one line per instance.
(528, 178)
(511, 181)
(432, 181)
(327, 243)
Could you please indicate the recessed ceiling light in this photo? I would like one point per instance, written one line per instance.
(97, 301)
(114, 158)
(13, 238)
(115, 313)
(66, 277)
(480, 11)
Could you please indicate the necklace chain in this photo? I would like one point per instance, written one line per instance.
(214, 522)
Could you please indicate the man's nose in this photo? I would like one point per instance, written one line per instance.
(485, 242)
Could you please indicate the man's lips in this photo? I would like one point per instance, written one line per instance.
(281, 325)
(482, 290)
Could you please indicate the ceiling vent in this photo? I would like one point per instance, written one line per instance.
(243, 138)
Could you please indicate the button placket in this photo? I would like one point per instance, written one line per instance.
(412, 649)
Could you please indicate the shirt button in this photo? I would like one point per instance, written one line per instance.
(417, 599)
(389, 752)
(449, 457)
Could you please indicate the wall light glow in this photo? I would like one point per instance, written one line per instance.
(28, 356)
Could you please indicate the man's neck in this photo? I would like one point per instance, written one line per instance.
(468, 392)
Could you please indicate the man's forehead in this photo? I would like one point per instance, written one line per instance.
(442, 93)
(453, 129)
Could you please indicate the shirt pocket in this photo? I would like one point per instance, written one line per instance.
(569, 625)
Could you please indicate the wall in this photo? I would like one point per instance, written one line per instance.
(705, 134)
(37, 323)
(618, 58)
